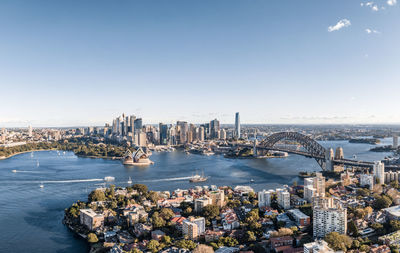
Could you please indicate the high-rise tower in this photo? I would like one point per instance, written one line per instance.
(237, 125)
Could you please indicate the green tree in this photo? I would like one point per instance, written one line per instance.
(157, 220)
(338, 242)
(394, 225)
(140, 188)
(250, 236)
(153, 246)
(381, 202)
(380, 230)
(186, 244)
(92, 238)
(352, 228)
(210, 211)
(167, 213)
(136, 250)
(227, 241)
(97, 195)
(166, 240)
(202, 248)
(364, 248)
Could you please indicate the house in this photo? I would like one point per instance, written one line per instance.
(300, 218)
(157, 234)
(379, 249)
(141, 229)
(281, 241)
(177, 222)
(230, 220)
(211, 236)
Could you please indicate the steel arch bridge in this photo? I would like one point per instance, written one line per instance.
(313, 148)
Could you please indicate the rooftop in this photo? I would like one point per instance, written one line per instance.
(394, 210)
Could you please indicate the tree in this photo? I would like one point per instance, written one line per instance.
(356, 244)
(380, 230)
(210, 211)
(364, 248)
(227, 241)
(157, 220)
(167, 213)
(394, 225)
(381, 202)
(166, 240)
(153, 196)
(140, 188)
(186, 244)
(97, 195)
(338, 242)
(250, 236)
(153, 246)
(352, 228)
(202, 248)
(92, 238)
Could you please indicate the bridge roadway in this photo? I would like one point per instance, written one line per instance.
(347, 162)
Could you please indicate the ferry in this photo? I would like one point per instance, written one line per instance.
(109, 179)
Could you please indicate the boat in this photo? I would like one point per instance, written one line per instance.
(129, 180)
(109, 179)
(354, 157)
(64, 153)
(37, 164)
(197, 178)
(251, 180)
(41, 185)
(14, 171)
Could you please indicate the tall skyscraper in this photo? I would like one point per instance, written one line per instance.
(237, 125)
(379, 172)
(201, 133)
(214, 129)
(163, 134)
(138, 125)
(329, 215)
(30, 131)
(395, 141)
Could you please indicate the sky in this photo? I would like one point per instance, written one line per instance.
(77, 63)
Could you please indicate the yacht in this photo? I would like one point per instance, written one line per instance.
(129, 180)
(14, 171)
(197, 178)
(251, 180)
(41, 185)
(37, 163)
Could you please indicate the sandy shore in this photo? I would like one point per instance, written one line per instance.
(23, 152)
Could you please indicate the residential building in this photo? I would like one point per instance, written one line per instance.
(283, 198)
(367, 179)
(201, 202)
(218, 198)
(300, 218)
(379, 172)
(264, 198)
(317, 247)
(91, 219)
(190, 229)
(329, 215)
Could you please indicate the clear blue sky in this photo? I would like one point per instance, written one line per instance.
(68, 62)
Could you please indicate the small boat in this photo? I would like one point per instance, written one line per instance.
(37, 164)
(41, 185)
(64, 153)
(129, 180)
(14, 171)
(354, 156)
(108, 179)
(251, 180)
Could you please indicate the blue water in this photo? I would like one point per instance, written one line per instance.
(30, 216)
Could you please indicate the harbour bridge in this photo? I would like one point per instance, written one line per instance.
(311, 148)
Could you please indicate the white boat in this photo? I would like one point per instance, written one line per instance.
(64, 153)
(37, 164)
(14, 171)
(251, 180)
(129, 180)
(41, 185)
(108, 179)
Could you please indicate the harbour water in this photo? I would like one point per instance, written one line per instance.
(30, 216)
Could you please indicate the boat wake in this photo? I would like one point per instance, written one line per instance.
(72, 181)
(25, 171)
(168, 179)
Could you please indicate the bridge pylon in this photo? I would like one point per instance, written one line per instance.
(329, 159)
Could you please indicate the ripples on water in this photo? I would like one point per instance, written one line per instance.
(33, 215)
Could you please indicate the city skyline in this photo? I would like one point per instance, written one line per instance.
(80, 63)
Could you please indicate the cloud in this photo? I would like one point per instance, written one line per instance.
(392, 2)
(339, 25)
(369, 31)
(375, 8)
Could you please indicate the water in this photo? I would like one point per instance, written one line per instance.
(33, 215)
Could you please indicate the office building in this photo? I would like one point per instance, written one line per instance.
(214, 129)
(137, 125)
(379, 172)
(163, 130)
(237, 126)
(395, 141)
(183, 129)
(329, 215)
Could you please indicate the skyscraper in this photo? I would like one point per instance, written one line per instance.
(214, 129)
(163, 134)
(183, 129)
(379, 172)
(138, 125)
(237, 125)
(395, 141)
(30, 131)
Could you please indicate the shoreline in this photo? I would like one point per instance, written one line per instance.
(23, 152)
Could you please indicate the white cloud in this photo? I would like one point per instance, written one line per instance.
(339, 25)
(392, 2)
(369, 3)
(375, 8)
(369, 31)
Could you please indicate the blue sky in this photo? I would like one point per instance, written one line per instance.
(65, 63)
